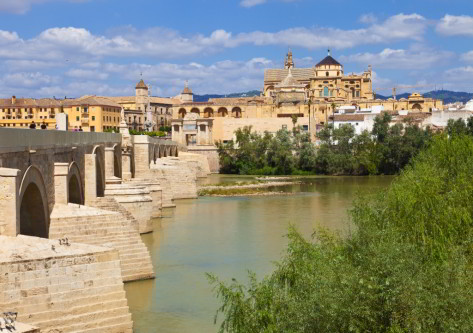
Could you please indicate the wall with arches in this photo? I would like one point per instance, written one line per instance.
(28, 161)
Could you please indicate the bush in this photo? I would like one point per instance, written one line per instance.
(152, 134)
(407, 268)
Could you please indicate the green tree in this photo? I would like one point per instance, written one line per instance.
(279, 155)
(407, 267)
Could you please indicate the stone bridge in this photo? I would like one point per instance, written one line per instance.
(73, 205)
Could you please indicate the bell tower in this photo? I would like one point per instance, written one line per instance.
(289, 63)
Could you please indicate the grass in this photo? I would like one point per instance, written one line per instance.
(228, 184)
(233, 191)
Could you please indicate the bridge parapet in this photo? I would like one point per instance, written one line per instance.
(14, 140)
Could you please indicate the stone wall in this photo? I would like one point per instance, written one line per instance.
(60, 288)
(203, 167)
(108, 228)
(211, 154)
(224, 128)
(182, 177)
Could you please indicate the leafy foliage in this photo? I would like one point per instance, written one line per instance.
(152, 134)
(386, 150)
(266, 154)
(407, 268)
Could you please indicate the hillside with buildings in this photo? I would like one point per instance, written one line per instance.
(446, 96)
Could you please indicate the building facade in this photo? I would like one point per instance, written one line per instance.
(145, 112)
(310, 95)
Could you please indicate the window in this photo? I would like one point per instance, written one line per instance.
(92, 128)
(77, 108)
(326, 92)
(77, 118)
(284, 127)
(93, 117)
(305, 127)
(327, 73)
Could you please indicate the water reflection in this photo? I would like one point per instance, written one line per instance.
(228, 236)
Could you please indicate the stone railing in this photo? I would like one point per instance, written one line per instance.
(12, 140)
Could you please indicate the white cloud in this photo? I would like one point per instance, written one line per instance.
(460, 73)
(468, 57)
(221, 77)
(368, 18)
(87, 74)
(451, 25)
(22, 6)
(251, 3)
(78, 45)
(400, 58)
(28, 80)
(458, 79)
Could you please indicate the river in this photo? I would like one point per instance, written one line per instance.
(227, 237)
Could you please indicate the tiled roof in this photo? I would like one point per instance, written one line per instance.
(328, 60)
(158, 100)
(277, 75)
(92, 100)
(290, 81)
(141, 85)
(240, 100)
(187, 90)
(30, 102)
(350, 117)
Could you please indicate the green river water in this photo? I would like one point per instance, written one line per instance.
(227, 237)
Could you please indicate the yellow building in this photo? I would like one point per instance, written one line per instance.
(93, 114)
(22, 112)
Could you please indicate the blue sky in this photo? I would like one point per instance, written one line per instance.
(76, 47)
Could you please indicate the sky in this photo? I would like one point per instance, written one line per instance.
(58, 48)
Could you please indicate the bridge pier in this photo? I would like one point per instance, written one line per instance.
(9, 205)
(61, 186)
(90, 178)
(126, 165)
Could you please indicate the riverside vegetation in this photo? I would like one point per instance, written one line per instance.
(407, 267)
(386, 150)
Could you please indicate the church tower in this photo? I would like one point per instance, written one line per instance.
(141, 92)
(187, 95)
(289, 63)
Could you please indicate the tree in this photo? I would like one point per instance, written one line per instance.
(407, 267)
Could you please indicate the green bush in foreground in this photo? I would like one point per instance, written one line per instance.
(407, 268)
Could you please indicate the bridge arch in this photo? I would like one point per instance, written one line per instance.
(99, 169)
(34, 212)
(117, 166)
(76, 194)
(156, 153)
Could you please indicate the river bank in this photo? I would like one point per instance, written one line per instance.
(228, 236)
(259, 187)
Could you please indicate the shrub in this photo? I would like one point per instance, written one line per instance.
(406, 268)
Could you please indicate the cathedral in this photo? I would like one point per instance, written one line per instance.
(325, 81)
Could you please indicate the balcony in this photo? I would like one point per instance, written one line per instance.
(84, 120)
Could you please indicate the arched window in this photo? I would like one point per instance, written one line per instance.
(326, 92)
